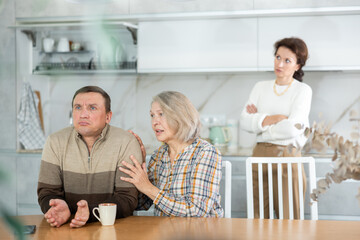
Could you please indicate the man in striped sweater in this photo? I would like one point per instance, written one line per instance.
(79, 166)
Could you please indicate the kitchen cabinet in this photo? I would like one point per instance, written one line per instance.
(198, 46)
(278, 4)
(176, 6)
(189, 37)
(67, 48)
(88, 8)
(333, 41)
(69, 8)
(246, 44)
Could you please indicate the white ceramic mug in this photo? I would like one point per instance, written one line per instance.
(63, 45)
(107, 212)
(48, 44)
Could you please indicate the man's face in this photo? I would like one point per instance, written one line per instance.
(89, 114)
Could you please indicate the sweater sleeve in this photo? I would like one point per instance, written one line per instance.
(203, 189)
(299, 114)
(253, 122)
(50, 183)
(125, 194)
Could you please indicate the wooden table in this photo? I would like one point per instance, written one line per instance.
(164, 228)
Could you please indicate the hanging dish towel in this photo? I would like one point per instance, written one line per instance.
(30, 132)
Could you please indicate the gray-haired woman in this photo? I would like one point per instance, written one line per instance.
(183, 175)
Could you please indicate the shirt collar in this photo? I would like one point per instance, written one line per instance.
(188, 148)
(102, 135)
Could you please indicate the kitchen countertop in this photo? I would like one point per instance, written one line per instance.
(225, 151)
(237, 152)
(246, 152)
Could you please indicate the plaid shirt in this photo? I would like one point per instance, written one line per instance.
(190, 186)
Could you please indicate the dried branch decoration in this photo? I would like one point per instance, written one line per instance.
(346, 156)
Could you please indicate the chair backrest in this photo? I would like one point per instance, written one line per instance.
(226, 165)
(279, 161)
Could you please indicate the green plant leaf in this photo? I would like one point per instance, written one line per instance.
(13, 224)
(3, 175)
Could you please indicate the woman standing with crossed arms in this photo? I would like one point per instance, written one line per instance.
(273, 109)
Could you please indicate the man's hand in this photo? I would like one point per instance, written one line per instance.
(58, 214)
(81, 216)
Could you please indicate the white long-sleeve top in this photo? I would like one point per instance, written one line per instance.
(295, 103)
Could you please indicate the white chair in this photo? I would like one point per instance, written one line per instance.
(227, 181)
(279, 161)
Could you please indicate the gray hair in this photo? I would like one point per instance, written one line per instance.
(180, 113)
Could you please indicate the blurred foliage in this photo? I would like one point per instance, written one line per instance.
(14, 225)
(346, 154)
(4, 176)
(2, 3)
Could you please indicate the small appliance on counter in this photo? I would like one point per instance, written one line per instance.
(219, 135)
(233, 125)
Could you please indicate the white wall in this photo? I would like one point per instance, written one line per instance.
(334, 94)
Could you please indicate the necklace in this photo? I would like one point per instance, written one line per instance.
(279, 94)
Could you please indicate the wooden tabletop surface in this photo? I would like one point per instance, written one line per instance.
(165, 228)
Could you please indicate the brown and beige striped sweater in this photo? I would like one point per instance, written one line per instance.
(70, 173)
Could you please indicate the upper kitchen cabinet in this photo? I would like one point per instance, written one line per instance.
(66, 8)
(78, 48)
(281, 4)
(217, 45)
(178, 6)
(333, 41)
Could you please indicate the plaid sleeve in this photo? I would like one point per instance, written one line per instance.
(144, 202)
(199, 198)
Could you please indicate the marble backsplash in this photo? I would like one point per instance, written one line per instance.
(335, 94)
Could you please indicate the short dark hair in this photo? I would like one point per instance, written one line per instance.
(95, 89)
(299, 48)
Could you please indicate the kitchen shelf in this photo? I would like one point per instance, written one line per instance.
(31, 26)
(73, 72)
(69, 52)
(114, 54)
(84, 68)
